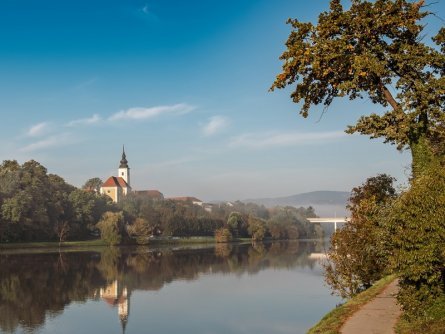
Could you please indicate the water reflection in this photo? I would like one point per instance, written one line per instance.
(35, 287)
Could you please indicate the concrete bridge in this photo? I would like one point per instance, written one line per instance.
(334, 220)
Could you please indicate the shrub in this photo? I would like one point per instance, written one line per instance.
(358, 256)
(111, 227)
(223, 235)
(417, 226)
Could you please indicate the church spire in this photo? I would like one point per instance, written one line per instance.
(124, 162)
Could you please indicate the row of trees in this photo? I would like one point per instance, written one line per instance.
(139, 218)
(377, 49)
(37, 206)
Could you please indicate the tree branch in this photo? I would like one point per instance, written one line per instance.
(419, 4)
(388, 96)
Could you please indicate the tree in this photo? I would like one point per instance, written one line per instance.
(223, 235)
(236, 224)
(62, 229)
(93, 184)
(111, 227)
(359, 253)
(362, 51)
(256, 228)
(140, 231)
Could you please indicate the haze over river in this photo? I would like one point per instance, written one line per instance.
(262, 288)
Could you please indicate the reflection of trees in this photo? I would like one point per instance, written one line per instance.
(34, 285)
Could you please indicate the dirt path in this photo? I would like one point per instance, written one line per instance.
(377, 316)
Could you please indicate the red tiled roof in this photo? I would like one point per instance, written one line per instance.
(150, 193)
(114, 181)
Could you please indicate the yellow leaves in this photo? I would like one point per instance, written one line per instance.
(281, 76)
(327, 71)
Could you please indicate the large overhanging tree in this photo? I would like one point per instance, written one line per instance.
(362, 51)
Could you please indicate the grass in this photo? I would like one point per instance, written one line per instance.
(432, 323)
(53, 244)
(100, 243)
(334, 320)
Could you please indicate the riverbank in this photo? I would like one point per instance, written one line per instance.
(332, 322)
(101, 243)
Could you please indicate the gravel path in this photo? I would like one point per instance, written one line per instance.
(377, 316)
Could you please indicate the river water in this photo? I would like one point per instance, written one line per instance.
(261, 288)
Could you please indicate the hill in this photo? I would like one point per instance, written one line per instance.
(325, 203)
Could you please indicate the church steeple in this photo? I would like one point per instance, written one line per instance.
(124, 170)
(124, 162)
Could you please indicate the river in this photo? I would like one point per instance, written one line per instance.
(262, 288)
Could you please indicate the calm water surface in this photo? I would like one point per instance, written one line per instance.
(262, 288)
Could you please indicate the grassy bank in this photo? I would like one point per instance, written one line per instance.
(99, 242)
(334, 320)
(54, 244)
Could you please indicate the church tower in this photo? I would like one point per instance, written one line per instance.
(124, 170)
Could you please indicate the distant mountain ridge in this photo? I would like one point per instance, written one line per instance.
(314, 198)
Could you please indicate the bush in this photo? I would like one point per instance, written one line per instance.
(111, 227)
(417, 226)
(358, 256)
(223, 235)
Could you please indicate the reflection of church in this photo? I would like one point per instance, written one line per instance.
(116, 294)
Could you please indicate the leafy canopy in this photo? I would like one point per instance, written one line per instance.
(360, 52)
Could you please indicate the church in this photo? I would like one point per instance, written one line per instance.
(116, 187)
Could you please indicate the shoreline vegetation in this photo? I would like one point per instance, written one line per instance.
(380, 51)
(153, 242)
(38, 207)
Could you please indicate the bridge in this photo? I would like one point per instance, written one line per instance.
(334, 221)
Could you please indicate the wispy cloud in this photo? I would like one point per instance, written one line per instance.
(258, 141)
(145, 9)
(146, 113)
(86, 121)
(49, 142)
(86, 84)
(38, 129)
(215, 125)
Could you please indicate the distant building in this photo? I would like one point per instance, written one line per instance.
(153, 194)
(118, 186)
(187, 200)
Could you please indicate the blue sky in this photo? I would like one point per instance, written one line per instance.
(184, 85)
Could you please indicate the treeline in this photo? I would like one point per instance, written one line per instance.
(140, 218)
(37, 206)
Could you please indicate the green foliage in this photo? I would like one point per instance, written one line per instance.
(417, 226)
(93, 185)
(256, 228)
(358, 255)
(237, 224)
(433, 321)
(112, 227)
(290, 223)
(34, 205)
(357, 52)
(140, 231)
